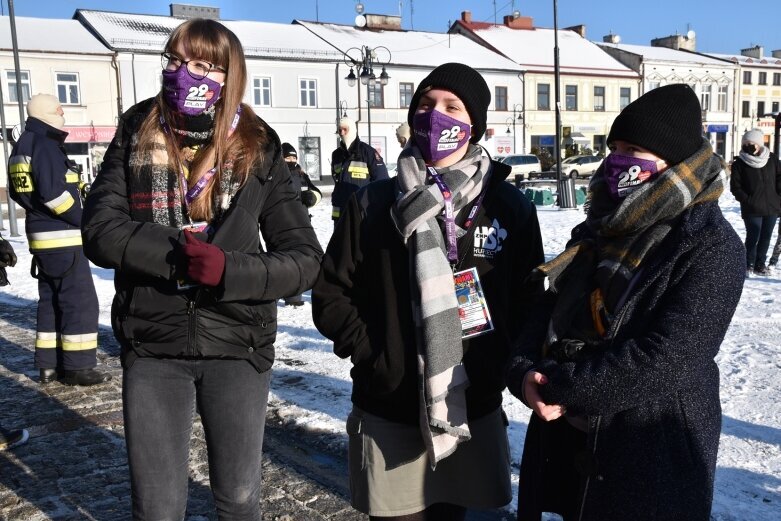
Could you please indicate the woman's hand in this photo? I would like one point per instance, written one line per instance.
(531, 383)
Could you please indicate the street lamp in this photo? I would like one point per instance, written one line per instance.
(565, 187)
(364, 63)
(517, 116)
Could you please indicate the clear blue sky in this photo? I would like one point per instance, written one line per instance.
(723, 26)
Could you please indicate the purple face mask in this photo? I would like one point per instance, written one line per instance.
(438, 135)
(187, 95)
(624, 174)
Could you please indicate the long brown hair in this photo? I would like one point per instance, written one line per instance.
(210, 41)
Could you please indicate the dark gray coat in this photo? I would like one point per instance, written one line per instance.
(652, 394)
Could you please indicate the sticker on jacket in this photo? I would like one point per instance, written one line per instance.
(488, 240)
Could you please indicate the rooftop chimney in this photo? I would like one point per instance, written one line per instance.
(466, 17)
(518, 22)
(611, 38)
(580, 29)
(686, 42)
(383, 21)
(776, 53)
(194, 11)
(753, 52)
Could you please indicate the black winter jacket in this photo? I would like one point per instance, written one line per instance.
(235, 320)
(758, 190)
(652, 395)
(353, 168)
(362, 299)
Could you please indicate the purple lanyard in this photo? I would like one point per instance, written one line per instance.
(450, 219)
(196, 190)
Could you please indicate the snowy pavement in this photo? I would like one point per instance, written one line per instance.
(311, 386)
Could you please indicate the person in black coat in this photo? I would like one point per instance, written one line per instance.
(190, 183)
(354, 164)
(756, 184)
(415, 305)
(618, 365)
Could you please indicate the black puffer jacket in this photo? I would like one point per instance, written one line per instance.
(235, 320)
(652, 395)
(758, 190)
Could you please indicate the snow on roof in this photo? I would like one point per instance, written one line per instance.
(414, 48)
(533, 50)
(49, 34)
(765, 61)
(665, 54)
(148, 33)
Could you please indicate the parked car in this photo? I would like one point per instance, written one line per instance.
(578, 167)
(524, 164)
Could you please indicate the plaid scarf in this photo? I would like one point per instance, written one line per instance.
(441, 373)
(610, 246)
(155, 193)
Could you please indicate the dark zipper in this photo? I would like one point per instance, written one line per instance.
(598, 419)
(192, 324)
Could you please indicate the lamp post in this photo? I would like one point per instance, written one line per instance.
(518, 115)
(565, 188)
(365, 64)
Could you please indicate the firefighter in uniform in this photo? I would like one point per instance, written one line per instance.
(47, 185)
(354, 164)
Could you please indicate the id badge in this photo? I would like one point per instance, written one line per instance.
(472, 307)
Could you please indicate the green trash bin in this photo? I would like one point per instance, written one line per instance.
(580, 195)
(543, 197)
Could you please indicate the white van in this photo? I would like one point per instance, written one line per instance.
(524, 164)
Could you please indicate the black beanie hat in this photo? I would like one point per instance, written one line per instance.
(464, 82)
(288, 150)
(667, 121)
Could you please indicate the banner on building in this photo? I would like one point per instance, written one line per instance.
(504, 145)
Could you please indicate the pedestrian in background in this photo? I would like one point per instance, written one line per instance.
(756, 184)
(47, 185)
(190, 178)
(618, 363)
(424, 286)
(9, 438)
(354, 164)
(309, 196)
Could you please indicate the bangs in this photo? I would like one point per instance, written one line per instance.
(202, 39)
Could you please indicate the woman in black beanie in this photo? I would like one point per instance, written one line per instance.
(424, 287)
(618, 366)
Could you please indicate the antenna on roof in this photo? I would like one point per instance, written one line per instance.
(494, 12)
(317, 11)
(411, 12)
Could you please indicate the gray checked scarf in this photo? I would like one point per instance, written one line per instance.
(441, 374)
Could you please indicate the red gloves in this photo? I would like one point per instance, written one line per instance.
(206, 262)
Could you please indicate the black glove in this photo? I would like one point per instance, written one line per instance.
(309, 198)
(7, 255)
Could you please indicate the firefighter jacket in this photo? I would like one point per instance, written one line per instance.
(46, 184)
(353, 168)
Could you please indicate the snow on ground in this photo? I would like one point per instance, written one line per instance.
(311, 386)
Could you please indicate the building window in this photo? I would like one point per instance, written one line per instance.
(11, 80)
(747, 77)
(653, 85)
(376, 95)
(775, 107)
(745, 109)
(405, 95)
(760, 109)
(68, 88)
(762, 78)
(705, 97)
(599, 99)
(625, 97)
(308, 93)
(261, 91)
(543, 96)
(571, 97)
(722, 107)
(500, 98)
(777, 78)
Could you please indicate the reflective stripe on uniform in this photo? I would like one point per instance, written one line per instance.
(19, 170)
(79, 342)
(358, 170)
(335, 213)
(45, 340)
(61, 203)
(72, 178)
(56, 239)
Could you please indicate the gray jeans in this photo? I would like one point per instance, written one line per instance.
(159, 397)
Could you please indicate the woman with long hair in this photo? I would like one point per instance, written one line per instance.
(190, 177)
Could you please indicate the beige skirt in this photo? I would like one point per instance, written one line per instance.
(390, 474)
